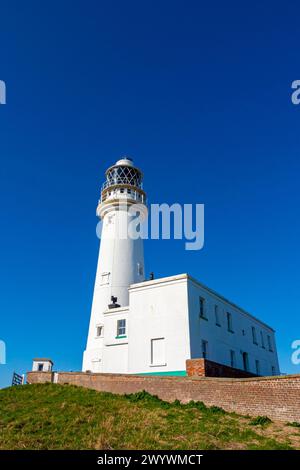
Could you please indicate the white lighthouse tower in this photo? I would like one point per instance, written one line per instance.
(121, 259)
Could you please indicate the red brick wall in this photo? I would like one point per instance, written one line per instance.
(205, 368)
(39, 377)
(276, 397)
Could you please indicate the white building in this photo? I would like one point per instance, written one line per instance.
(153, 327)
(42, 364)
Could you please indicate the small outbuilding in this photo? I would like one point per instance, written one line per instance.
(42, 365)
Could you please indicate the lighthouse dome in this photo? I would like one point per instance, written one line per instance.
(125, 161)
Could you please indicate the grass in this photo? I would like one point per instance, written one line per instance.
(260, 421)
(294, 424)
(51, 416)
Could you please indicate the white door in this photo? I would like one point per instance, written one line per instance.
(96, 365)
(158, 352)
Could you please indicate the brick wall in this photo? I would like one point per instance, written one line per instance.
(205, 368)
(39, 377)
(276, 397)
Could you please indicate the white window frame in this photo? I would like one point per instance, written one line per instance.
(140, 269)
(217, 315)
(245, 356)
(269, 343)
(202, 307)
(254, 335)
(229, 322)
(121, 328)
(104, 279)
(102, 331)
(162, 362)
(262, 340)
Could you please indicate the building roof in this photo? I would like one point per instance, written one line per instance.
(178, 277)
(43, 359)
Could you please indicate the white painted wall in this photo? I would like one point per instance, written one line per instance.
(120, 264)
(115, 352)
(163, 317)
(47, 365)
(111, 352)
(158, 310)
(220, 340)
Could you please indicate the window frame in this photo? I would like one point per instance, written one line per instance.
(140, 269)
(153, 343)
(119, 328)
(101, 330)
(204, 348)
(217, 316)
(270, 346)
(254, 335)
(229, 322)
(232, 359)
(246, 366)
(202, 308)
(104, 279)
(262, 340)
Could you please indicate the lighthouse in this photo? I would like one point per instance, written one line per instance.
(121, 256)
(153, 326)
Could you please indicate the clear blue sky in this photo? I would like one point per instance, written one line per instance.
(199, 95)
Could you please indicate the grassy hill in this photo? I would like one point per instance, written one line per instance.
(49, 416)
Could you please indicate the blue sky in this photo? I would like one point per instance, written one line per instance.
(199, 95)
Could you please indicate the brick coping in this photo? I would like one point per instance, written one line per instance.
(176, 378)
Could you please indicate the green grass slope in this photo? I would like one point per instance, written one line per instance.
(49, 416)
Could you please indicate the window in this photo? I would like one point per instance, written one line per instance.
(269, 343)
(254, 337)
(262, 340)
(257, 367)
(204, 347)
(217, 316)
(232, 358)
(158, 353)
(99, 330)
(104, 278)
(128, 191)
(122, 190)
(202, 307)
(140, 269)
(245, 362)
(121, 327)
(229, 322)
(273, 370)
(40, 367)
